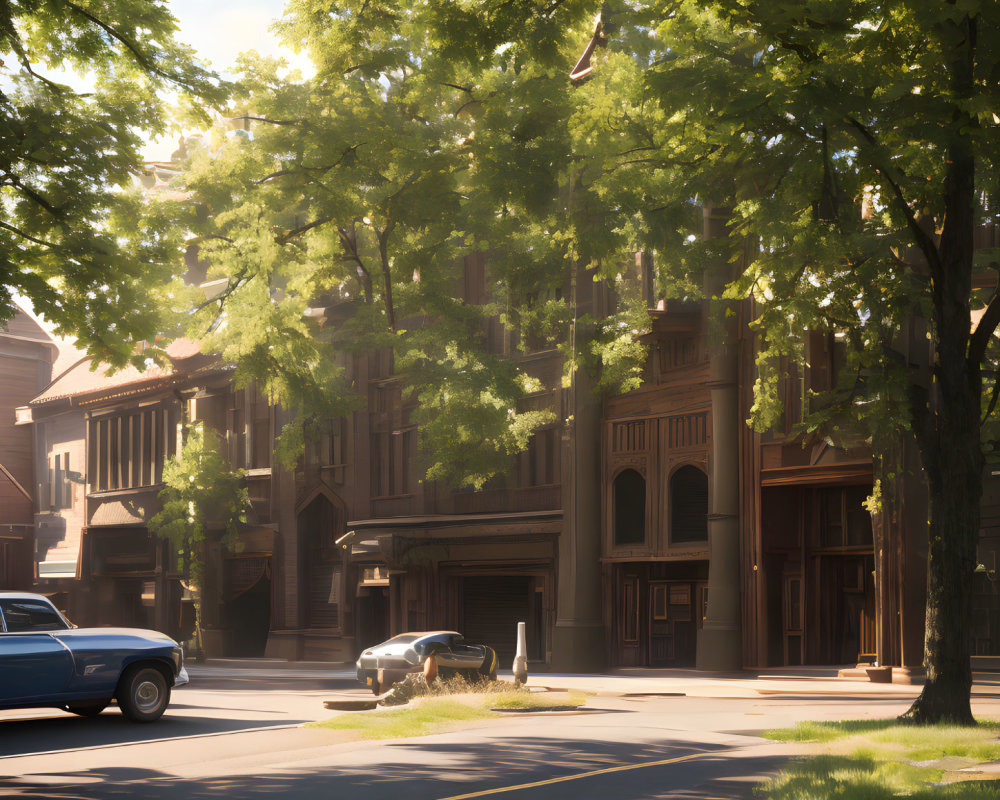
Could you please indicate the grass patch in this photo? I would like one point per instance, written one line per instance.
(399, 723)
(881, 759)
(435, 713)
(538, 701)
(828, 731)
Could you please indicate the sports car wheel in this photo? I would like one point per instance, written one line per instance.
(87, 710)
(143, 694)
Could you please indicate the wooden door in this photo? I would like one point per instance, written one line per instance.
(674, 608)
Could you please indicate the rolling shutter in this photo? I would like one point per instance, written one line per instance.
(492, 607)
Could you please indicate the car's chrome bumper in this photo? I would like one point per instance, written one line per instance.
(182, 677)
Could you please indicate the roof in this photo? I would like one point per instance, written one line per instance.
(22, 596)
(81, 380)
(21, 326)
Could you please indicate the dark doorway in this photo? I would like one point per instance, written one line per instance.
(371, 616)
(846, 609)
(248, 609)
(818, 565)
(492, 605)
(319, 526)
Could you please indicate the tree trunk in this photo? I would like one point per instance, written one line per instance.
(949, 439)
(949, 432)
(953, 529)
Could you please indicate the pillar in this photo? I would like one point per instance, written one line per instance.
(719, 642)
(578, 638)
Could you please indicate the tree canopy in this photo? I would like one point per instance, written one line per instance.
(68, 152)
(363, 188)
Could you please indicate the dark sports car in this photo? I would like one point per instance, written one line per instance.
(46, 662)
(381, 666)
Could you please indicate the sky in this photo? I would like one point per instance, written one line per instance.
(219, 30)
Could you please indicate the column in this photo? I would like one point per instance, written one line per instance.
(719, 641)
(578, 638)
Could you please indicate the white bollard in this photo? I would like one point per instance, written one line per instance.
(521, 657)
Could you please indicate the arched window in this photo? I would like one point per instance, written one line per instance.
(630, 508)
(689, 505)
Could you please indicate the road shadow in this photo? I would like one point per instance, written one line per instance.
(433, 770)
(270, 684)
(20, 737)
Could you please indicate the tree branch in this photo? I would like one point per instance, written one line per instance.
(35, 196)
(234, 283)
(268, 120)
(286, 237)
(139, 56)
(993, 400)
(321, 170)
(383, 251)
(924, 241)
(984, 330)
(350, 241)
(24, 235)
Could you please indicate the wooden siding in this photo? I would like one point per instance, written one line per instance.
(25, 367)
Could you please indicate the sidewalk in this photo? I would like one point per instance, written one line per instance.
(630, 682)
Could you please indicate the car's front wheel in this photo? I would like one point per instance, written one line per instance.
(143, 694)
(86, 709)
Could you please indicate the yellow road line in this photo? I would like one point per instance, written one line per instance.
(577, 776)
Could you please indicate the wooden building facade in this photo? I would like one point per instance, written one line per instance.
(651, 528)
(26, 357)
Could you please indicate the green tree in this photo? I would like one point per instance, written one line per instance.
(202, 492)
(854, 145)
(67, 153)
(362, 188)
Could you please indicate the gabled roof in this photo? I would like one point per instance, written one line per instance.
(21, 326)
(81, 381)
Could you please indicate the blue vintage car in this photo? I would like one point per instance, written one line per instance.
(46, 661)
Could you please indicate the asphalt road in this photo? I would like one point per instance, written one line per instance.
(238, 735)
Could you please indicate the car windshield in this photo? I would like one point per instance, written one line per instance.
(403, 638)
(448, 639)
(30, 615)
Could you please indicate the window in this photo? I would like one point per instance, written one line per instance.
(60, 485)
(128, 450)
(843, 519)
(630, 508)
(392, 454)
(393, 441)
(30, 615)
(688, 506)
(539, 464)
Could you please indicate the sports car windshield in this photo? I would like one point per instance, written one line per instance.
(403, 638)
(30, 615)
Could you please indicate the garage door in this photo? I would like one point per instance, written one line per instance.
(492, 607)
